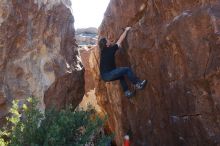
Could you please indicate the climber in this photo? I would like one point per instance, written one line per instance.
(108, 69)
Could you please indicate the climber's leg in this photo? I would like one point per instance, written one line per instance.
(118, 74)
(123, 84)
(115, 74)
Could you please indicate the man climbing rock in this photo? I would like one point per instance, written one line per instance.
(108, 69)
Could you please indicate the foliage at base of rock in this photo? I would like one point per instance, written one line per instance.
(27, 126)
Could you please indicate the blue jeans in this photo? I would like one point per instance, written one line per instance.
(119, 74)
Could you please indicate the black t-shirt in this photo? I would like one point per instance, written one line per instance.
(107, 59)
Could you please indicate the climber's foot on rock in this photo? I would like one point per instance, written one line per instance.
(129, 94)
(141, 84)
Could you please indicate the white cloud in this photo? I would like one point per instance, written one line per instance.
(88, 13)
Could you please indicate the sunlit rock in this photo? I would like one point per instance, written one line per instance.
(36, 44)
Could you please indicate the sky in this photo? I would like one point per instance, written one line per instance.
(88, 13)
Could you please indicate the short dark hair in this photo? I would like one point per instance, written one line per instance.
(102, 43)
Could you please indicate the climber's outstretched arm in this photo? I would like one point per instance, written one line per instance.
(122, 37)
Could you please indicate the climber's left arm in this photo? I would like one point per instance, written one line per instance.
(122, 37)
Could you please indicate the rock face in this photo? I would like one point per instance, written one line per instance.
(38, 53)
(172, 44)
(87, 55)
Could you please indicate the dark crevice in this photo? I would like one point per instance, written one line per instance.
(187, 115)
(139, 15)
(208, 60)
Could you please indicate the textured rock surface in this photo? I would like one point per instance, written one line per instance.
(173, 44)
(38, 53)
(87, 55)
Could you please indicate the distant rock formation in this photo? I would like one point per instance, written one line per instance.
(38, 53)
(173, 44)
(89, 30)
(86, 36)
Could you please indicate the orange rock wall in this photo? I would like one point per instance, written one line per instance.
(174, 45)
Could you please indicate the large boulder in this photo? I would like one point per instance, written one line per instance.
(38, 53)
(175, 46)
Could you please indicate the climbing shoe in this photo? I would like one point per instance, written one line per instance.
(129, 94)
(141, 84)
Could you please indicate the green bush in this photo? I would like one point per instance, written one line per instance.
(57, 128)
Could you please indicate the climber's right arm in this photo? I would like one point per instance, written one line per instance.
(122, 37)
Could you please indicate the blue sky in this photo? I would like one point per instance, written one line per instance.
(88, 13)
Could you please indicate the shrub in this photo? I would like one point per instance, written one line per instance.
(57, 128)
